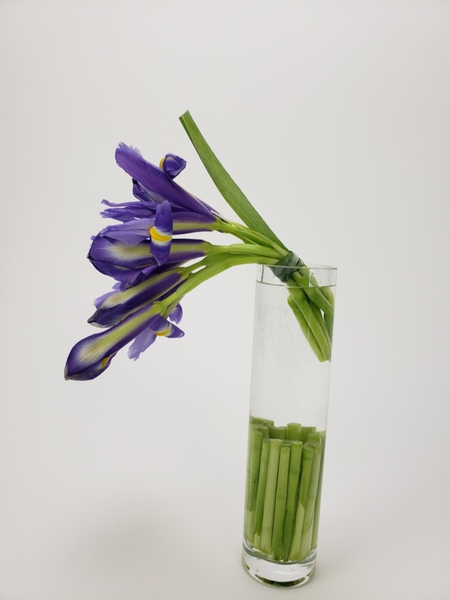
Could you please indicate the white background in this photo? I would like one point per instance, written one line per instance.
(334, 119)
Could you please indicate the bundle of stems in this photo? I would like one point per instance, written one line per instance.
(313, 306)
(284, 479)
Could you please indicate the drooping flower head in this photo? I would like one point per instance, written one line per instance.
(145, 257)
(154, 268)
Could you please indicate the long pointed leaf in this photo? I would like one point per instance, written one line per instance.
(224, 183)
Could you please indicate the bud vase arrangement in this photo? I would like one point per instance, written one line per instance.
(154, 263)
(287, 434)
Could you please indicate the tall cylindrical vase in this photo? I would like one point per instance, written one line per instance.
(287, 431)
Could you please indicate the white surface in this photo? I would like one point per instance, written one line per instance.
(334, 119)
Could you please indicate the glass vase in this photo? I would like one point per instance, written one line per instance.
(287, 431)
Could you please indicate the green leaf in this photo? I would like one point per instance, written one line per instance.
(225, 184)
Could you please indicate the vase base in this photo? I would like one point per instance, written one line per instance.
(293, 574)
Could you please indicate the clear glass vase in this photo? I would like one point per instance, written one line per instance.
(287, 429)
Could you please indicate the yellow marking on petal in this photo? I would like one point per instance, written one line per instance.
(104, 362)
(165, 332)
(161, 162)
(159, 237)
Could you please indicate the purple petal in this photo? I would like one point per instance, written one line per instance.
(119, 260)
(127, 263)
(172, 165)
(159, 327)
(144, 195)
(105, 249)
(164, 328)
(92, 355)
(131, 232)
(127, 211)
(122, 274)
(99, 301)
(87, 373)
(141, 343)
(115, 306)
(177, 314)
(156, 182)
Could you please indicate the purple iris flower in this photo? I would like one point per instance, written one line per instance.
(118, 304)
(164, 208)
(128, 263)
(158, 182)
(141, 253)
(92, 355)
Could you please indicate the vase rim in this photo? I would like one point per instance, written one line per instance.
(321, 275)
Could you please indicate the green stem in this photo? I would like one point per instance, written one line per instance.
(280, 501)
(313, 319)
(264, 429)
(325, 290)
(292, 494)
(307, 461)
(249, 235)
(199, 277)
(294, 431)
(329, 323)
(321, 298)
(213, 267)
(278, 433)
(306, 542)
(307, 332)
(306, 433)
(269, 498)
(260, 421)
(315, 534)
(254, 453)
(308, 280)
(260, 495)
(321, 322)
(244, 249)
